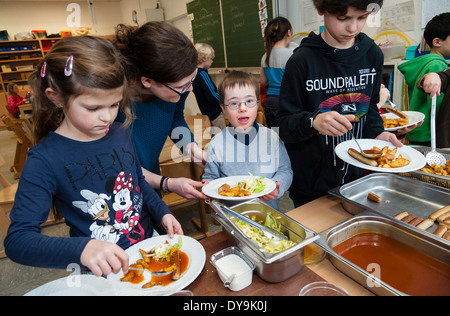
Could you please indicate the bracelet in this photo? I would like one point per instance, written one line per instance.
(162, 182)
(166, 186)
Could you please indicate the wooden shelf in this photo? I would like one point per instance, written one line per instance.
(14, 59)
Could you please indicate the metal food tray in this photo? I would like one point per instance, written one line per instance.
(368, 222)
(427, 177)
(398, 194)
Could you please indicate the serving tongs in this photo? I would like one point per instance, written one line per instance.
(223, 210)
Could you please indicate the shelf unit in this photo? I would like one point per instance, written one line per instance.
(18, 59)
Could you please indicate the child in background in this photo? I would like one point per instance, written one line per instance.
(331, 85)
(246, 146)
(277, 37)
(85, 164)
(14, 99)
(437, 36)
(435, 84)
(204, 88)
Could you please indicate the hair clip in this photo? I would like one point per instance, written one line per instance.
(43, 69)
(69, 66)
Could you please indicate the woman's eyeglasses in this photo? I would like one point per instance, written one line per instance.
(185, 88)
(250, 103)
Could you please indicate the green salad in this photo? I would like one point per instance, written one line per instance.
(253, 184)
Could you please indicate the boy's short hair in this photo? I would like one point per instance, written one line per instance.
(340, 7)
(438, 27)
(240, 79)
(204, 52)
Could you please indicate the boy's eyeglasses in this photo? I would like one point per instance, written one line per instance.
(250, 103)
(185, 88)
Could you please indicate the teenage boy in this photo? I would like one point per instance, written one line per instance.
(437, 36)
(331, 85)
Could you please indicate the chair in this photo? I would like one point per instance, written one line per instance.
(22, 130)
(174, 201)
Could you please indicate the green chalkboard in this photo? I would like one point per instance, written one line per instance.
(243, 34)
(207, 26)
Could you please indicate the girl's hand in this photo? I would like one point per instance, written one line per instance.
(186, 188)
(272, 195)
(103, 257)
(171, 225)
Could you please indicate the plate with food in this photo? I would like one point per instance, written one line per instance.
(181, 257)
(393, 159)
(239, 188)
(393, 122)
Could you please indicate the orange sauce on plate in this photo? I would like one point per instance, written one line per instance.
(155, 265)
(401, 266)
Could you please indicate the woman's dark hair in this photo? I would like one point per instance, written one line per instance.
(340, 7)
(275, 31)
(156, 50)
(438, 27)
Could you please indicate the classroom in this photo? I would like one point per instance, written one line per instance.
(402, 196)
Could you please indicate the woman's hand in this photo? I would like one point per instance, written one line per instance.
(103, 257)
(171, 225)
(390, 137)
(186, 188)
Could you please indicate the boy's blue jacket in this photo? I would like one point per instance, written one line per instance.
(321, 78)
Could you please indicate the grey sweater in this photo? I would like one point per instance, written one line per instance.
(259, 151)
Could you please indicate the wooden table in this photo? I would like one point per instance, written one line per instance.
(208, 282)
(319, 215)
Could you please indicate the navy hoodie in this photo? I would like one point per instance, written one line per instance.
(321, 78)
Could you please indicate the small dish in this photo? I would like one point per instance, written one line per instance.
(234, 268)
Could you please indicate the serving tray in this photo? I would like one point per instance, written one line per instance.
(397, 193)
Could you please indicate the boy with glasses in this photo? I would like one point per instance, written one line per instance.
(246, 146)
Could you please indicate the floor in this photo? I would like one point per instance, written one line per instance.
(16, 279)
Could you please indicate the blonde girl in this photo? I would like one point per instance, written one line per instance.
(85, 164)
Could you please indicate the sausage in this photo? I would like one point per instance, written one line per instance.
(401, 215)
(409, 218)
(397, 112)
(443, 217)
(439, 212)
(358, 156)
(426, 224)
(447, 235)
(374, 197)
(416, 221)
(440, 231)
(175, 259)
(446, 223)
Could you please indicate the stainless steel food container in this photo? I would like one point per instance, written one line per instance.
(370, 222)
(427, 177)
(398, 194)
(276, 267)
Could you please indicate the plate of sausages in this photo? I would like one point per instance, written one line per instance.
(348, 152)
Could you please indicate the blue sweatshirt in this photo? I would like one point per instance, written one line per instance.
(97, 186)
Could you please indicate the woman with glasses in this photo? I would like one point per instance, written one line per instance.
(161, 64)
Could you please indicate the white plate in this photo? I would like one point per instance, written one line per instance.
(76, 285)
(212, 188)
(197, 259)
(414, 118)
(417, 160)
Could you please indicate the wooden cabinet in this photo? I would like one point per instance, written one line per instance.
(18, 59)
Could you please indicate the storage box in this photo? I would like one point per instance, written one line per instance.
(39, 33)
(24, 68)
(393, 51)
(66, 33)
(4, 35)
